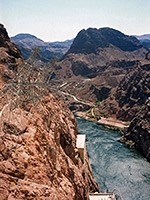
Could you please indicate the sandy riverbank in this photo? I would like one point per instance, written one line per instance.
(109, 122)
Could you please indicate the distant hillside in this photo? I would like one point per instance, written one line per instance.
(144, 39)
(49, 50)
(27, 40)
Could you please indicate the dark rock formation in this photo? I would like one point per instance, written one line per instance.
(138, 133)
(90, 40)
(6, 43)
(81, 68)
(133, 90)
(76, 106)
(102, 93)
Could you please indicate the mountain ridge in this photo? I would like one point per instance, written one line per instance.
(49, 50)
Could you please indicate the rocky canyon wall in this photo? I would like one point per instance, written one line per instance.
(38, 154)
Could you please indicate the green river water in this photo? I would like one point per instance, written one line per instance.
(115, 166)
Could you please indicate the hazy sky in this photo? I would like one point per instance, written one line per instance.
(53, 20)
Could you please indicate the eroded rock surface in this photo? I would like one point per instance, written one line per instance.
(42, 161)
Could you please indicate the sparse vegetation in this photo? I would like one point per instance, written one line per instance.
(97, 104)
(127, 123)
(130, 143)
(104, 114)
(28, 86)
(114, 128)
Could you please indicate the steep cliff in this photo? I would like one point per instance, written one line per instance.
(10, 59)
(38, 154)
(131, 93)
(138, 133)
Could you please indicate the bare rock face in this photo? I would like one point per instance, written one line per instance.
(42, 161)
(138, 133)
(38, 154)
(5, 42)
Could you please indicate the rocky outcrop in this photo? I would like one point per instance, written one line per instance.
(138, 133)
(38, 154)
(134, 90)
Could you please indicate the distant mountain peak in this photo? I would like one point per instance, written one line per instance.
(22, 36)
(90, 40)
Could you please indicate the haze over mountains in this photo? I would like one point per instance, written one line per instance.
(48, 50)
(145, 40)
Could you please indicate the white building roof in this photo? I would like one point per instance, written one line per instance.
(80, 141)
(100, 196)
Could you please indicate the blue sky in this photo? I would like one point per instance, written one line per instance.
(58, 20)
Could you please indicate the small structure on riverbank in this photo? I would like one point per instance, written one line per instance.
(102, 196)
(81, 145)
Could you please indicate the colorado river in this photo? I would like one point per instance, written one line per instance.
(115, 165)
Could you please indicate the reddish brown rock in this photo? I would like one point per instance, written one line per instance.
(43, 157)
(38, 154)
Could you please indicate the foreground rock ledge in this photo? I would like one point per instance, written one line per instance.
(42, 162)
